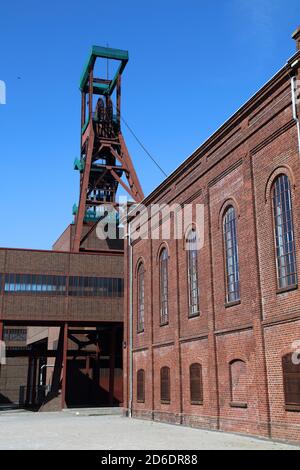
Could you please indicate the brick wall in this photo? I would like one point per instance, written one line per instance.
(65, 241)
(239, 345)
(37, 307)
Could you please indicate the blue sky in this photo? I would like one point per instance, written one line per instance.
(192, 64)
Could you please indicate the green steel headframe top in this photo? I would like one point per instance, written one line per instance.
(103, 53)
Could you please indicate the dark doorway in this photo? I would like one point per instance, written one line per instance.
(94, 373)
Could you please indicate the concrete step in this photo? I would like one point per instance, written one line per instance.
(5, 410)
(117, 411)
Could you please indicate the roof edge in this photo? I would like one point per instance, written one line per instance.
(239, 114)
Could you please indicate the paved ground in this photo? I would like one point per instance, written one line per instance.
(68, 431)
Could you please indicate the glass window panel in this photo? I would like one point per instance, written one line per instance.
(141, 298)
(231, 256)
(110, 287)
(192, 268)
(163, 265)
(284, 233)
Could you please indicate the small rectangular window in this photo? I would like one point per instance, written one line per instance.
(165, 386)
(141, 386)
(291, 380)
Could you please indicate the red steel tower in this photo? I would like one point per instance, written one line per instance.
(104, 160)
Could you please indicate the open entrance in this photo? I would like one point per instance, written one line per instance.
(49, 368)
(94, 367)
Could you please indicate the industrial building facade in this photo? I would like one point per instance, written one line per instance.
(61, 318)
(70, 300)
(213, 335)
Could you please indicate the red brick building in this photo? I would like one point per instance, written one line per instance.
(210, 334)
(61, 317)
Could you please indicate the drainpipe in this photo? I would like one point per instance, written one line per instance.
(294, 104)
(130, 322)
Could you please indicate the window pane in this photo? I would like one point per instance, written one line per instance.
(231, 256)
(141, 297)
(284, 233)
(192, 265)
(163, 265)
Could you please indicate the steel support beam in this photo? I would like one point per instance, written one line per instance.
(64, 365)
(112, 362)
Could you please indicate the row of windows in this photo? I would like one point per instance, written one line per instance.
(15, 334)
(238, 384)
(62, 285)
(196, 385)
(285, 253)
(96, 286)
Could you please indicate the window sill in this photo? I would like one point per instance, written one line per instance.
(286, 289)
(235, 404)
(196, 403)
(164, 324)
(292, 408)
(194, 315)
(140, 401)
(232, 304)
(165, 402)
(139, 332)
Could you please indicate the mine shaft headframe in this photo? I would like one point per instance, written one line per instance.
(105, 162)
(101, 86)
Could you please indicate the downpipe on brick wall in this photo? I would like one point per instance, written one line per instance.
(294, 105)
(130, 322)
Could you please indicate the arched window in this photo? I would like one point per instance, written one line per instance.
(231, 256)
(291, 380)
(196, 385)
(165, 387)
(163, 274)
(284, 233)
(192, 268)
(239, 384)
(140, 386)
(141, 298)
